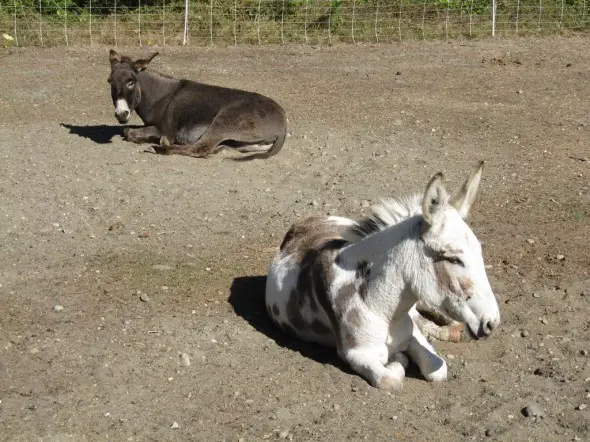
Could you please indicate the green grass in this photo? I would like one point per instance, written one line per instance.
(300, 21)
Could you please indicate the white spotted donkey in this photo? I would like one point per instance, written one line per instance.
(355, 285)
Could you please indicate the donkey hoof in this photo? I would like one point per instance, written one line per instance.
(164, 141)
(161, 150)
(439, 375)
(455, 333)
(389, 383)
(126, 133)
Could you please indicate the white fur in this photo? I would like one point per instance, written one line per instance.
(122, 108)
(374, 330)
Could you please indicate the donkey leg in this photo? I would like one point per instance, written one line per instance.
(147, 134)
(450, 332)
(370, 362)
(431, 365)
(206, 145)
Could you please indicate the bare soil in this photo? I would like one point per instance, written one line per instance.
(89, 221)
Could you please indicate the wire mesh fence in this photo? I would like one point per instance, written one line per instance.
(202, 22)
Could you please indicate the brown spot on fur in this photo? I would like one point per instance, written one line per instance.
(294, 306)
(353, 317)
(466, 286)
(310, 234)
(445, 279)
(315, 242)
(349, 340)
(275, 310)
(342, 299)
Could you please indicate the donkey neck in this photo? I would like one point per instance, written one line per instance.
(156, 94)
(391, 255)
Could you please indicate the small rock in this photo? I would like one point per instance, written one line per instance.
(186, 361)
(584, 352)
(161, 267)
(175, 425)
(450, 356)
(58, 308)
(520, 91)
(533, 410)
(582, 407)
(544, 321)
(536, 295)
(314, 203)
(336, 407)
(530, 241)
(207, 269)
(284, 434)
(398, 73)
(560, 257)
(524, 333)
(489, 432)
(144, 297)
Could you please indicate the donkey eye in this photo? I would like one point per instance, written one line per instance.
(454, 260)
(131, 84)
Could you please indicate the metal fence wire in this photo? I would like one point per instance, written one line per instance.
(204, 22)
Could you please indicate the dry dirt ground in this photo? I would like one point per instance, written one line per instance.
(89, 222)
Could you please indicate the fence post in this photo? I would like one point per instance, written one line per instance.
(376, 21)
(329, 23)
(305, 25)
(15, 33)
(211, 22)
(163, 22)
(185, 34)
(40, 25)
(258, 22)
(494, 4)
(424, 19)
(235, 19)
(90, 21)
(399, 20)
(283, 23)
(352, 21)
(517, 14)
(116, 45)
(66, 21)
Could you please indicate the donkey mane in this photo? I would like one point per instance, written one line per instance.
(386, 213)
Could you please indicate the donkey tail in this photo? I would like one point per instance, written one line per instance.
(274, 149)
(277, 145)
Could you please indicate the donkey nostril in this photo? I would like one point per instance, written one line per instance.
(489, 327)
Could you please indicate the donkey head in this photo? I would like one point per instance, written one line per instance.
(125, 91)
(457, 284)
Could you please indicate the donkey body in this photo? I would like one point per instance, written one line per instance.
(355, 285)
(189, 118)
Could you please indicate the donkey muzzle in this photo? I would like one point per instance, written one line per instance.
(122, 111)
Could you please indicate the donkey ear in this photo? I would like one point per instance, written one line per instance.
(464, 198)
(435, 199)
(114, 56)
(141, 65)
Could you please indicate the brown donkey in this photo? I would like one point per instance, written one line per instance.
(190, 118)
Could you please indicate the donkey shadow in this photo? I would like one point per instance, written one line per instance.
(247, 299)
(100, 134)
